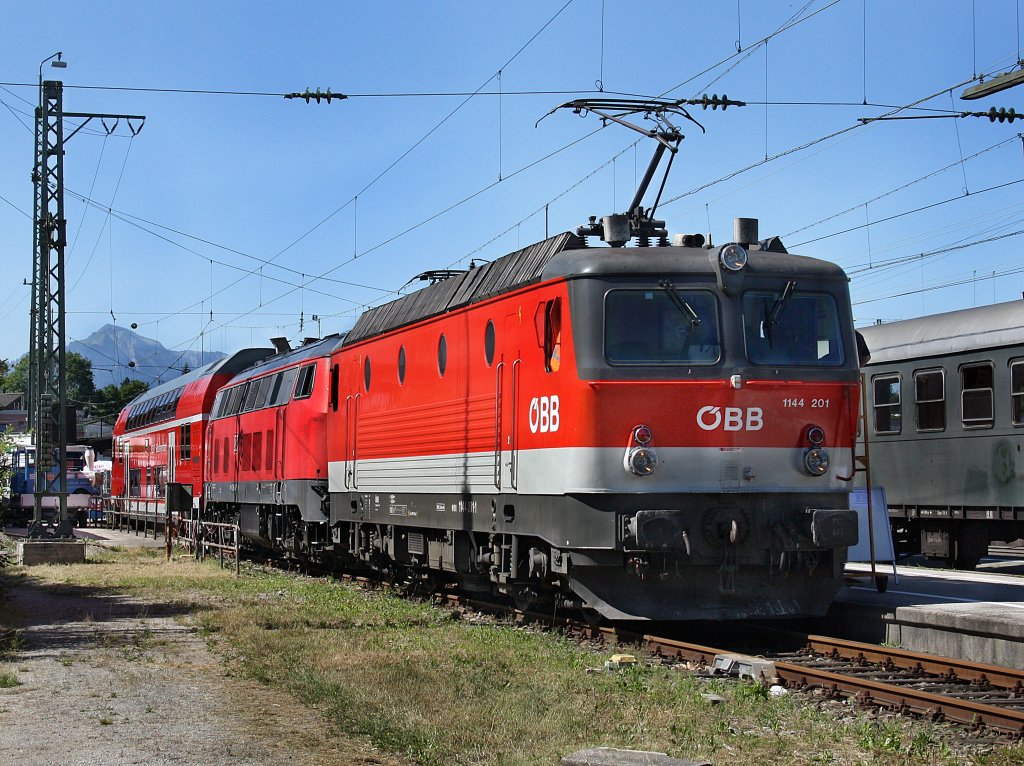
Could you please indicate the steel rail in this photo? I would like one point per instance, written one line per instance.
(944, 667)
(903, 699)
(865, 691)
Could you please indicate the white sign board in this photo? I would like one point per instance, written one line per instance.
(884, 551)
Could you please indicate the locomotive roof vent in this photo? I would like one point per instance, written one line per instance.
(744, 231)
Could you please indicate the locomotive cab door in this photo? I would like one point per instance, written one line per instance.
(351, 405)
(507, 372)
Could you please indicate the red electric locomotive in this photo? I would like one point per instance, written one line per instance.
(651, 433)
(158, 438)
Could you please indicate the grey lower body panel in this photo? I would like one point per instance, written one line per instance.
(655, 556)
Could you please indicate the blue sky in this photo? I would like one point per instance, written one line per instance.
(275, 210)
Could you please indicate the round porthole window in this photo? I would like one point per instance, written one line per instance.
(489, 343)
(442, 355)
(401, 365)
(366, 373)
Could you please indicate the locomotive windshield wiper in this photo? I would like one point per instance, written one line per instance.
(780, 303)
(772, 315)
(680, 301)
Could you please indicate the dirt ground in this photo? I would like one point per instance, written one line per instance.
(109, 680)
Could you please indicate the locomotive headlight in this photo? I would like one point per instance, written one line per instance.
(642, 434)
(816, 461)
(733, 257)
(815, 435)
(641, 461)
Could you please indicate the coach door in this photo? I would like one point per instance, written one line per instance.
(172, 456)
(126, 457)
(507, 371)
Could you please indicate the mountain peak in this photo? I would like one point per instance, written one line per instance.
(113, 349)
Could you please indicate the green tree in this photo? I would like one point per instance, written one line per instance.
(110, 400)
(80, 387)
(16, 379)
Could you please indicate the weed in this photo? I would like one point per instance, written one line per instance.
(8, 680)
(752, 692)
(106, 722)
(884, 736)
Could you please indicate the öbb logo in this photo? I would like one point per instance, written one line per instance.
(544, 414)
(711, 418)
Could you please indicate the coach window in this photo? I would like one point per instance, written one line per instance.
(401, 365)
(930, 393)
(489, 341)
(976, 396)
(888, 418)
(553, 335)
(186, 442)
(366, 374)
(304, 385)
(442, 355)
(1017, 392)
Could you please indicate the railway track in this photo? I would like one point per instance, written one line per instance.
(905, 682)
(984, 697)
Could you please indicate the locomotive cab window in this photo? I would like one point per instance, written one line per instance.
(553, 335)
(976, 395)
(887, 401)
(659, 326)
(930, 393)
(790, 327)
(1017, 392)
(304, 385)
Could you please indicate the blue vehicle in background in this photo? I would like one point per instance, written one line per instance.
(83, 496)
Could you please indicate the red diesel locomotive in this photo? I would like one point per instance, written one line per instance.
(266, 451)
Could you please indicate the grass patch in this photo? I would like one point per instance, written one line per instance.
(417, 682)
(8, 680)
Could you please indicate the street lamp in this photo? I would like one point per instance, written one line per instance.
(58, 64)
